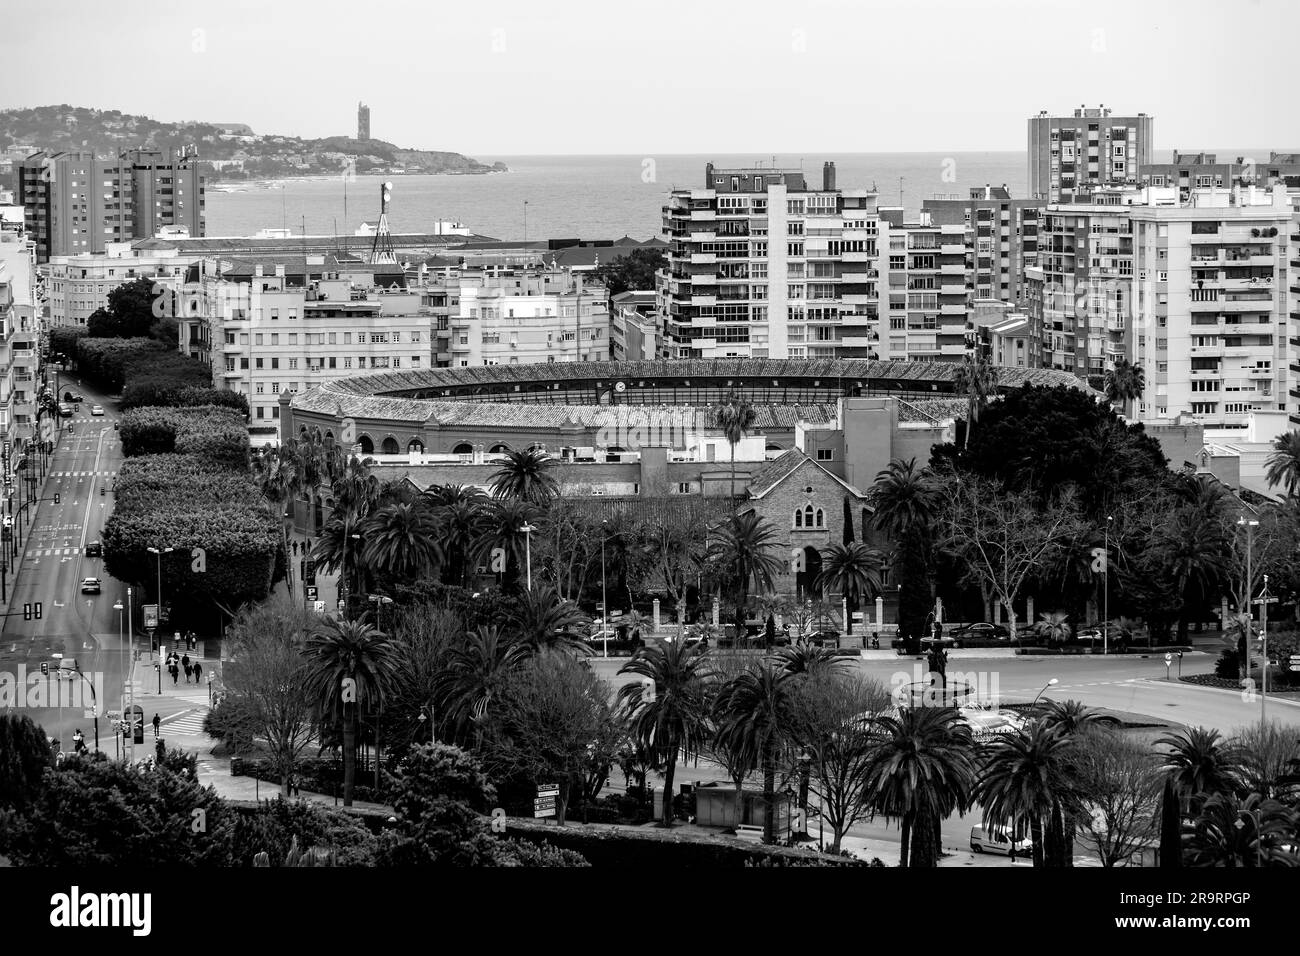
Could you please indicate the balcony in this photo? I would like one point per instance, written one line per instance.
(703, 259)
(1206, 351)
(952, 249)
(703, 236)
(1258, 373)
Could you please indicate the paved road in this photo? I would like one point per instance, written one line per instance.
(81, 627)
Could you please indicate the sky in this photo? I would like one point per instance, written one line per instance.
(673, 76)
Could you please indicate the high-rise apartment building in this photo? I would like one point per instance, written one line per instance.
(1211, 314)
(1190, 171)
(1070, 156)
(363, 121)
(763, 263)
(923, 268)
(19, 342)
(78, 203)
(1001, 240)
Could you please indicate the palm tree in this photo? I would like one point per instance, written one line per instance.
(1195, 557)
(1026, 777)
(1070, 717)
(1200, 763)
(801, 658)
(735, 417)
(497, 523)
(669, 711)
(545, 620)
(1124, 383)
(754, 716)
(461, 524)
(1229, 831)
(977, 379)
(401, 540)
(855, 570)
(527, 476)
(1054, 627)
(746, 548)
(907, 500)
(1284, 463)
(350, 664)
(922, 771)
(475, 674)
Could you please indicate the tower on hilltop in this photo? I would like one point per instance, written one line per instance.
(363, 121)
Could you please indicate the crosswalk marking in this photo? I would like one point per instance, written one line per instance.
(189, 724)
(53, 552)
(83, 474)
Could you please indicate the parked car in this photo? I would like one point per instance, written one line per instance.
(94, 549)
(997, 840)
(823, 638)
(97, 409)
(982, 629)
(90, 586)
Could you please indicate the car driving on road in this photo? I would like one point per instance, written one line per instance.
(90, 586)
(97, 409)
(94, 549)
(65, 410)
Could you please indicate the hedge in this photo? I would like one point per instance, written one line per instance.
(148, 481)
(64, 338)
(106, 361)
(216, 433)
(160, 390)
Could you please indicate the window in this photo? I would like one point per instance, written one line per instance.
(275, 388)
(259, 388)
(275, 363)
(275, 338)
(683, 487)
(258, 363)
(293, 363)
(809, 517)
(825, 454)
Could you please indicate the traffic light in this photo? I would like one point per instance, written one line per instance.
(45, 668)
(38, 610)
(56, 497)
(27, 611)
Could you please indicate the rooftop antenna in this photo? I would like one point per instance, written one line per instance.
(381, 250)
(900, 190)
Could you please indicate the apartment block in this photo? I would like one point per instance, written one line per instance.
(764, 264)
(79, 285)
(523, 316)
(633, 331)
(1190, 171)
(1212, 308)
(19, 342)
(924, 269)
(1001, 239)
(76, 203)
(273, 328)
(1070, 156)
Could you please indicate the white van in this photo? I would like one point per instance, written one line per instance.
(996, 840)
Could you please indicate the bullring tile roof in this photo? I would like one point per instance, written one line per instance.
(915, 376)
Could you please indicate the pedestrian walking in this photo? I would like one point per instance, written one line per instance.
(293, 784)
(78, 741)
(156, 722)
(295, 547)
(189, 670)
(185, 666)
(176, 673)
(198, 672)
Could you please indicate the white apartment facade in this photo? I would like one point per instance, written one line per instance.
(763, 264)
(521, 316)
(19, 342)
(1211, 315)
(923, 265)
(79, 285)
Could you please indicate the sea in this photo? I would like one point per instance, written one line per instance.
(578, 197)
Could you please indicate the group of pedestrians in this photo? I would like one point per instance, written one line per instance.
(175, 665)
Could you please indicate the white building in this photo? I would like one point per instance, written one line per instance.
(79, 285)
(19, 341)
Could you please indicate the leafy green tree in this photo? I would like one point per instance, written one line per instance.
(25, 754)
(633, 271)
(671, 721)
(922, 771)
(94, 812)
(350, 665)
(526, 475)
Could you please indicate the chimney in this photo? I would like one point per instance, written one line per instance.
(708, 175)
(828, 177)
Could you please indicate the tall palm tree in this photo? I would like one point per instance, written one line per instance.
(1284, 463)
(977, 379)
(856, 570)
(1195, 557)
(908, 502)
(1124, 384)
(402, 540)
(527, 475)
(461, 524)
(475, 674)
(922, 772)
(1200, 762)
(545, 620)
(350, 665)
(1025, 778)
(672, 720)
(745, 547)
(735, 417)
(497, 525)
(754, 715)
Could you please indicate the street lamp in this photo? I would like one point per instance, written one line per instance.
(528, 530)
(159, 552)
(1051, 683)
(1105, 592)
(343, 571)
(604, 595)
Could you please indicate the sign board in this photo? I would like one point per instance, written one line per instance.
(318, 607)
(548, 790)
(150, 616)
(858, 617)
(544, 807)
(1267, 600)
(1169, 658)
(114, 715)
(311, 592)
(1295, 662)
